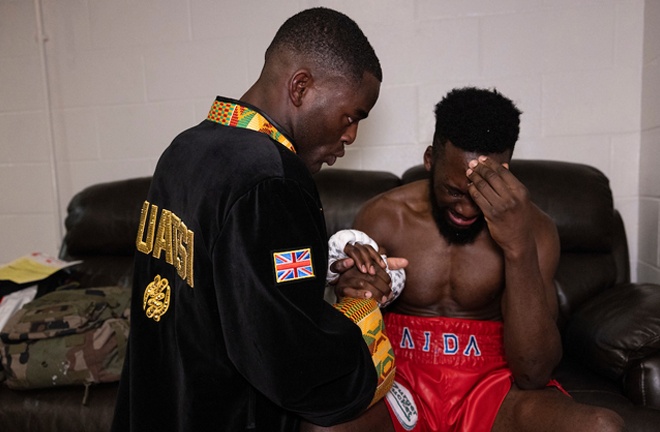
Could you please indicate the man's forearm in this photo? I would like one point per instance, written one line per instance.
(531, 337)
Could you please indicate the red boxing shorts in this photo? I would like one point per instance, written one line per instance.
(451, 373)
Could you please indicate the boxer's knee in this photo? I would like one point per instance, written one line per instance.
(605, 420)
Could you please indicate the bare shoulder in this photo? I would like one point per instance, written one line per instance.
(547, 243)
(545, 227)
(389, 209)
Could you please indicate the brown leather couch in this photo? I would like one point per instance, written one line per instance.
(611, 327)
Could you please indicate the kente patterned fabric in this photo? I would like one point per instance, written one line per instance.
(366, 314)
(235, 115)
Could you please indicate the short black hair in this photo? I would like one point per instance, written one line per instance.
(331, 39)
(477, 120)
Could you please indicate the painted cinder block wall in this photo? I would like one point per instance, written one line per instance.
(94, 90)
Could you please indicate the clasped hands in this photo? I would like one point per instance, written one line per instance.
(363, 273)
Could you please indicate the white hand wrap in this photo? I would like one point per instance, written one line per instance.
(336, 246)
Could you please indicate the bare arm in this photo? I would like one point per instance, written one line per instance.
(530, 247)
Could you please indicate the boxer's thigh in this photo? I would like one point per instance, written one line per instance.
(551, 410)
(375, 419)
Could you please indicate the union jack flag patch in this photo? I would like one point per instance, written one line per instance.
(293, 265)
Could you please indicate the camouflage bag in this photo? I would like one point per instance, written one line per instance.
(67, 337)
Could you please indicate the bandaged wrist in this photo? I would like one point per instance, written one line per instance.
(338, 242)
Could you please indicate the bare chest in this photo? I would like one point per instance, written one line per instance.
(451, 280)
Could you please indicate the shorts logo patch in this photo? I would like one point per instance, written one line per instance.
(293, 265)
(402, 405)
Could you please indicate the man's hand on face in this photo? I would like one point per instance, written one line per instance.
(363, 275)
(504, 201)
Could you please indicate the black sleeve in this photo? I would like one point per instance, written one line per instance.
(281, 335)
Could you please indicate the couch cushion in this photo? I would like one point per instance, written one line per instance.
(58, 409)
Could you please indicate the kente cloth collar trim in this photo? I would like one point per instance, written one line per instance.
(233, 114)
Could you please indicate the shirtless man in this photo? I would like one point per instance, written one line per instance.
(474, 330)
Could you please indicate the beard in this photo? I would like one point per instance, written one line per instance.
(451, 233)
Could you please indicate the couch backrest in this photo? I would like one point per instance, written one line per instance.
(343, 192)
(579, 200)
(101, 227)
(102, 221)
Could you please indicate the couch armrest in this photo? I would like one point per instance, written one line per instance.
(641, 384)
(617, 329)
